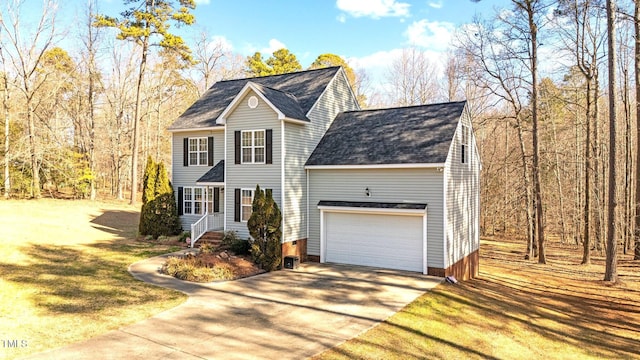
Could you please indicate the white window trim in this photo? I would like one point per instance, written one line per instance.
(253, 146)
(203, 201)
(465, 158)
(198, 151)
(242, 205)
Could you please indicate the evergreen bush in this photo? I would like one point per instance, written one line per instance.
(265, 229)
(159, 213)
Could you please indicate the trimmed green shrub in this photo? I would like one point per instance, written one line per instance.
(160, 216)
(159, 213)
(265, 228)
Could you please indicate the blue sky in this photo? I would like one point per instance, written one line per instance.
(368, 33)
(354, 29)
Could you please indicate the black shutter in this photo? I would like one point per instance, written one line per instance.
(237, 146)
(210, 151)
(185, 152)
(269, 146)
(180, 196)
(237, 199)
(216, 200)
(463, 154)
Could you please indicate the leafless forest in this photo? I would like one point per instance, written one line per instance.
(552, 88)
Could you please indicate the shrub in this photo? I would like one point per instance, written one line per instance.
(191, 268)
(265, 229)
(207, 248)
(160, 216)
(233, 242)
(183, 236)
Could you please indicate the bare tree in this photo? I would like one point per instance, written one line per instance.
(7, 119)
(611, 268)
(25, 56)
(141, 24)
(412, 79)
(208, 56)
(636, 24)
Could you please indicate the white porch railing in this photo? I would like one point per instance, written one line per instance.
(206, 223)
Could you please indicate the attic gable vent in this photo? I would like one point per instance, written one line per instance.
(253, 102)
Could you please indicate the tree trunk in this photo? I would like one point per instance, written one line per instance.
(531, 245)
(537, 191)
(636, 233)
(35, 176)
(586, 248)
(136, 126)
(7, 147)
(611, 269)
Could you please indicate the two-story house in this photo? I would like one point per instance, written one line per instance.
(393, 188)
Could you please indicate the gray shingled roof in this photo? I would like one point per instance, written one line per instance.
(406, 135)
(214, 175)
(373, 205)
(304, 87)
(284, 101)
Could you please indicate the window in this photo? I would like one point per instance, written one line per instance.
(253, 147)
(193, 201)
(198, 151)
(465, 144)
(246, 205)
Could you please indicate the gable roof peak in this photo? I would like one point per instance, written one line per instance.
(298, 92)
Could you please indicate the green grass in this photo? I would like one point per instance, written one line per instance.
(64, 273)
(515, 310)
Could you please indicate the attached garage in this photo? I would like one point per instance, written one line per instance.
(386, 235)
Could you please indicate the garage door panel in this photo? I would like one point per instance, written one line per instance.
(374, 240)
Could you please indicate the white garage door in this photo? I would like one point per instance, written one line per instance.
(387, 241)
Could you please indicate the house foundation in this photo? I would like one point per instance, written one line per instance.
(295, 248)
(465, 269)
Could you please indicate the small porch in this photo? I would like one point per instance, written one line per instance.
(212, 183)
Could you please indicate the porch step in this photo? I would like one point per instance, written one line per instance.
(211, 237)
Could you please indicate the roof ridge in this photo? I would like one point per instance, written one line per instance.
(407, 107)
(274, 75)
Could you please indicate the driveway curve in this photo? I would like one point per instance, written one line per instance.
(287, 314)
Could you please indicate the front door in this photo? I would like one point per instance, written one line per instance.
(213, 199)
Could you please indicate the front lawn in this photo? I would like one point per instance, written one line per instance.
(516, 309)
(64, 273)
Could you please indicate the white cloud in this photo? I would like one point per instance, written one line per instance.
(274, 44)
(342, 18)
(436, 4)
(374, 8)
(434, 35)
(222, 42)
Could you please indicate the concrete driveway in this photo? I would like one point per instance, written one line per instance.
(288, 314)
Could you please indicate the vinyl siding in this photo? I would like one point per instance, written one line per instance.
(247, 176)
(462, 200)
(385, 185)
(300, 140)
(187, 175)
